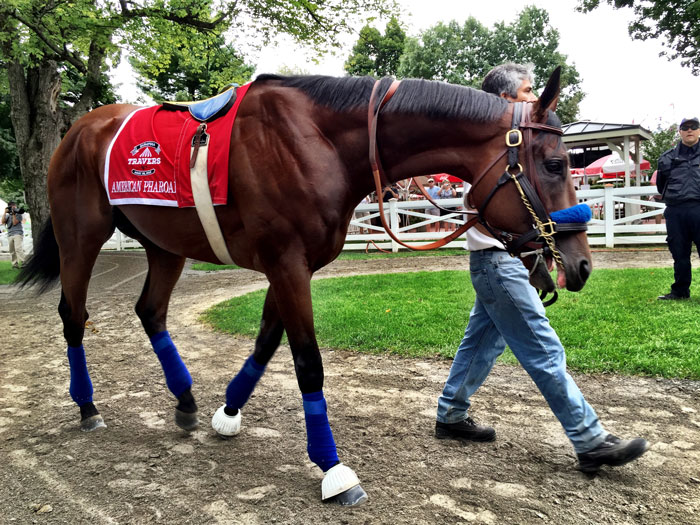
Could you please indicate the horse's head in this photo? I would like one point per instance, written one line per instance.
(531, 205)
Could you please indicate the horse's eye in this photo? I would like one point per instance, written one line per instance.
(554, 166)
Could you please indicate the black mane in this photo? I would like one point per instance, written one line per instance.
(414, 96)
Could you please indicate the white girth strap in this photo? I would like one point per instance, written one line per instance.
(202, 195)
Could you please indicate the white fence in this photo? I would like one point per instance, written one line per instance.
(621, 216)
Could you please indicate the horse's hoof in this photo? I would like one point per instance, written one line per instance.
(342, 486)
(225, 425)
(186, 421)
(92, 423)
(350, 498)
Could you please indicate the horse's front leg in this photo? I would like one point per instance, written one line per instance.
(227, 419)
(164, 269)
(292, 289)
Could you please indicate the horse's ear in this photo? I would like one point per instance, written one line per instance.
(549, 97)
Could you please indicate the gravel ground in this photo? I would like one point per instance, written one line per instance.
(142, 469)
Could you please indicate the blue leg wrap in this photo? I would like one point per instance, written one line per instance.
(177, 377)
(319, 439)
(80, 384)
(241, 386)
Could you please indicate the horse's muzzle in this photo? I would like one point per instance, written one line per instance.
(577, 270)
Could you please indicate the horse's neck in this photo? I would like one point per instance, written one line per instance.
(412, 146)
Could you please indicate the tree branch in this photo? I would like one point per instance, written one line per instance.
(182, 20)
(316, 18)
(92, 81)
(61, 54)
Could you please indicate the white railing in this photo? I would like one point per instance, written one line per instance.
(620, 216)
(119, 241)
(409, 220)
(624, 216)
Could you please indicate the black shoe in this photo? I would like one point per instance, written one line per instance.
(466, 430)
(613, 451)
(672, 297)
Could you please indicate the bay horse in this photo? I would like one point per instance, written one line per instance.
(298, 167)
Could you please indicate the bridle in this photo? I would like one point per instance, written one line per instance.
(539, 240)
(543, 227)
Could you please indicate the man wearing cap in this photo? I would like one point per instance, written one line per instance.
(433, 191)
(678, 182)
(12, 220)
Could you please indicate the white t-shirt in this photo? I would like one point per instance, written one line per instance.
(477, 239)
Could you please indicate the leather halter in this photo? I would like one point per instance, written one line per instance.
(540, 238)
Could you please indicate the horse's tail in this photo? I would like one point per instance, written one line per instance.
(43, 268)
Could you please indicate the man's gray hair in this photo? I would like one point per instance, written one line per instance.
(507, 79)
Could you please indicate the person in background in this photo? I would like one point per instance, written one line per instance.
(433, 190)
(678, 182)
(388, 193)
(12, 220)
(508, 310)
(446, 192)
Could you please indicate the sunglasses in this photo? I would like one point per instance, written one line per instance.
(689, 126)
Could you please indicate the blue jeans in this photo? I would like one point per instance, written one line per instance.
(508, 311)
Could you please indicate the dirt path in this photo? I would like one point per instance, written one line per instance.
(142, 469)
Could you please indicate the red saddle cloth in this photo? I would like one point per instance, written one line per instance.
(148, 160)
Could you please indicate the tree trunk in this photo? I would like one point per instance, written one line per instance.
(39, 125)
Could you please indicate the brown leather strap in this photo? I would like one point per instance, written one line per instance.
(197, 139)
(378, 171)
(372, 118)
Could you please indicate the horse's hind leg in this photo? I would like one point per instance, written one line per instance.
(227, 419)
(164, 269)
(75, 275)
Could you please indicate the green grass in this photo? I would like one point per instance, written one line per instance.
(614, 325)
(350, 256)
(7, 273)
(210, 267)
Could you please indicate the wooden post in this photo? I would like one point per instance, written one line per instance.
(609, 211)
(394, 223)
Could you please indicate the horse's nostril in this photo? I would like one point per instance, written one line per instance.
(584, 269)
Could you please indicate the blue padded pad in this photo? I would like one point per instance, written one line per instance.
(581, 213)
(206, 109)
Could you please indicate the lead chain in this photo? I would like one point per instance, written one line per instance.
(548, 235)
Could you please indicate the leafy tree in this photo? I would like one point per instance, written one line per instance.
(448, 52)
(9, 162)
(465, 54)
(199, 71)
(289, 71)
(661, 141)
(673, 21)
(376, 54)
(56, 53)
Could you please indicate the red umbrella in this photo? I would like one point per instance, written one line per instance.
(442, 177)
(612, 166)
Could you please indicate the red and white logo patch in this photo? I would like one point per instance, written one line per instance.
(143, 155)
